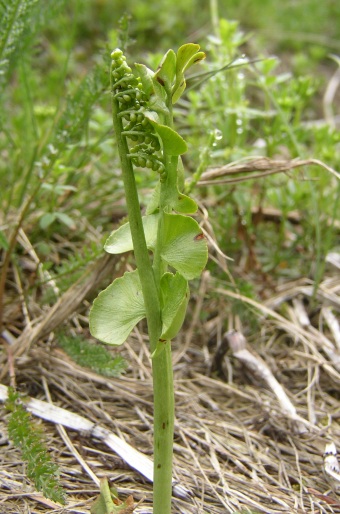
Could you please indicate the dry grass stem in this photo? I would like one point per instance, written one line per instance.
(253, 164)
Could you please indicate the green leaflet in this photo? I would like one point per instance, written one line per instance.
(175, 297)
(177, 201)
(120, 307)
(166, 72)
(183, 245)
(187, 55)
(120, 240)
(117, 309)
(173, 143)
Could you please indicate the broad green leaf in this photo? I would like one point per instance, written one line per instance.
(177, 201)
(173, 143)
(183, 245)
(152, 116)
(120, 240)
(117, 309)
(158, 100)
(156, 94)
(170, 192)
(166, 72)
(175, 297)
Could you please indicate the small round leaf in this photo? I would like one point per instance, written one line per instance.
(183, 245)
(117, 309)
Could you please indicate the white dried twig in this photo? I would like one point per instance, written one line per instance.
(130, 455)
(238, 346)
(331, 463)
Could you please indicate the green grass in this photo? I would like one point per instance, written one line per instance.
(56, 129)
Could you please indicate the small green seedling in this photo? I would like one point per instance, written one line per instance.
(142, 108)
(109, 503)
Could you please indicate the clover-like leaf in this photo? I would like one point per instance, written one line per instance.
(183, 245)
(175, 297)
(117, 309)
(120, 240)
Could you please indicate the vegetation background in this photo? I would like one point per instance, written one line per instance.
(274, 116)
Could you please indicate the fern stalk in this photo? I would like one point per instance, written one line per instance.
(162, 364)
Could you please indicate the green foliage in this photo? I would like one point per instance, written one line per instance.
(142, 113)
(29, 438)
(73, 122)
(259, 110)
(174, 301)
(16, 16)
(55, 137)
(92, 356)
(142, 109)
(118, 309)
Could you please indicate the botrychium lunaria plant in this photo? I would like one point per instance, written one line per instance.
(168, 244)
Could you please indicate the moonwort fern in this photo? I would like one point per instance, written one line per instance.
(142, 108)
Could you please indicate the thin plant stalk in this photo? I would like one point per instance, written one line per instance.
(161, 364)
(152, 291)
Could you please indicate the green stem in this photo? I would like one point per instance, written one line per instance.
(146, 275)
(161, 364)
(164, 413)
(163, 387)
